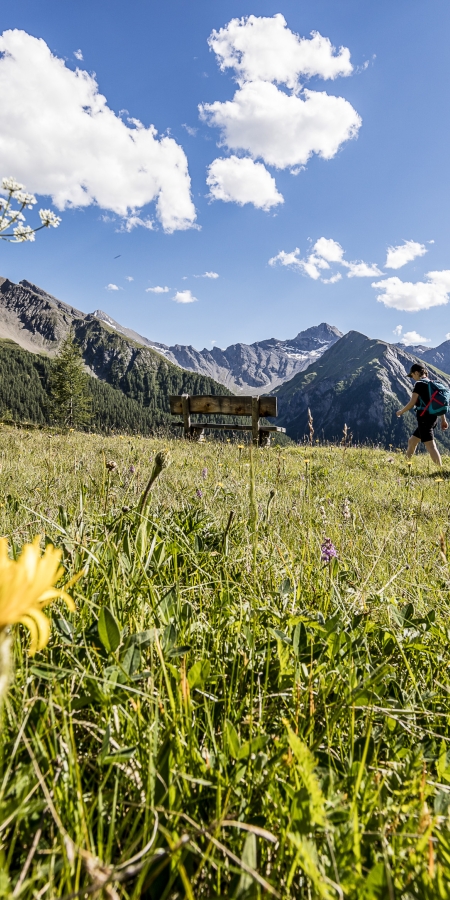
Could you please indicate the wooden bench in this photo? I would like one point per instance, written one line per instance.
(255, 407)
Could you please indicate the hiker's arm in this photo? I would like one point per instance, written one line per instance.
(409, 405)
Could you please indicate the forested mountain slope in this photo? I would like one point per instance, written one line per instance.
(38, 322)
(24, 381)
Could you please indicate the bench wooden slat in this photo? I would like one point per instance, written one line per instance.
(231, 406)
(229, 426)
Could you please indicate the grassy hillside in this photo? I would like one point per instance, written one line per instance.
(257, 717)
(137, 402)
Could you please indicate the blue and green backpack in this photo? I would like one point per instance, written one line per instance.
(439, 401)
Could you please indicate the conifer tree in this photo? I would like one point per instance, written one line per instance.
(70, 398)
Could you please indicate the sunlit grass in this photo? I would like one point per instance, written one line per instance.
(226, 715)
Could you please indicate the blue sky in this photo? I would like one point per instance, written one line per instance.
(386, 185)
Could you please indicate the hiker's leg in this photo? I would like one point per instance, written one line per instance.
(412, 444)
(434, 452)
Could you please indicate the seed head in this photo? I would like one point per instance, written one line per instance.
(163, 459)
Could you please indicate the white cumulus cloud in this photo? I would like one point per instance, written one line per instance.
(329, 249)
(129, 278)
(333, 279)
(410, 338)
(207, 275)
(58, 136)
(361, 269)
(112, 287)
(404, 253)
(242, 181)
(265, 49)
(325, 252)
(310, 266)
(286, 259)
(414, 296)
(184, 297)
(131, 222)
(157, 290)
(284, 130)
(78, 54)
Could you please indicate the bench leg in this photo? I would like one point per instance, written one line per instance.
(197, 434)
(186, 415)
(255, 421)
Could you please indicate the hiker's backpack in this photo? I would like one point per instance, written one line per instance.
(439, 402)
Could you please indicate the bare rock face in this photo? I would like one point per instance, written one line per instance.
(31, 317)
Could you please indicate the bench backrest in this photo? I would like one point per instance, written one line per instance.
(227, 406)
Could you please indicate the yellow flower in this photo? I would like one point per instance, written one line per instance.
(27, 585)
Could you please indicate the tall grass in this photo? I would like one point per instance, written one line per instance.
(226, 715)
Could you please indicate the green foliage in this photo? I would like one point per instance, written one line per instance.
(70, 401)
(26, 379)
(230, 718)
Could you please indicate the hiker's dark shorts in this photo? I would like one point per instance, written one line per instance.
(424, 430)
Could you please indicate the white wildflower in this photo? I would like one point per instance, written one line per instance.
(11, 215)
(25, 199)
(23, 233)
(10, 184)
(48, 218)
(346, 509)
(15, 215)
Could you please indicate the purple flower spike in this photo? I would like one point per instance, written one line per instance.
(204, 473)
(131, 470)
(199, 493)
(328, 550)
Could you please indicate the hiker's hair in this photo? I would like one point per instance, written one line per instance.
(417, 367)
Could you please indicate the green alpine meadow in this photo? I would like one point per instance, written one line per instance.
(250, 697)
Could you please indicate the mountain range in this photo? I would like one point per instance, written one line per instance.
(38, 321)
(439, 357)
(360, 383)
(246, 368)
(347, 379)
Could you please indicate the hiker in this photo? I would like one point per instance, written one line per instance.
(432, 401)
